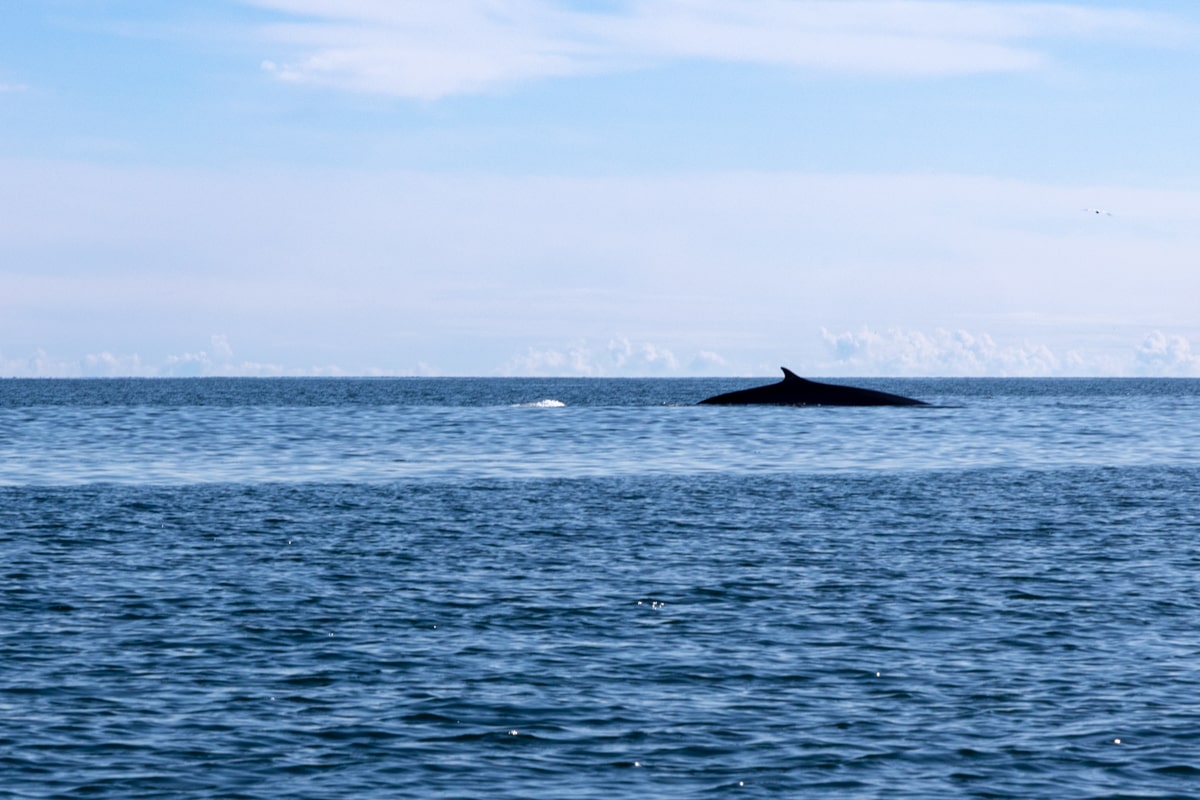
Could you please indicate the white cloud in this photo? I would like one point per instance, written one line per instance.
(576, 359)
(707, 362)
(644, 356)
(959, 353)
(620, 357)
(107, 365)
(430, 50)
(188, 364)
(201, 363)
(1168, 355)
(221, 348)
(92, 365)
(12, 87)
(220, 361)
(38, 365)
(941, 353)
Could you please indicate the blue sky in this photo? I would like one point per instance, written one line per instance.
(611, 187)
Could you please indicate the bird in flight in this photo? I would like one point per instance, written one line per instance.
(1098, 211)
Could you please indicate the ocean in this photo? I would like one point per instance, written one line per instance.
(594, 588)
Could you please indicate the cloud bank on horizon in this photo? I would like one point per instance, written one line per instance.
(864, 352)
(610, 187)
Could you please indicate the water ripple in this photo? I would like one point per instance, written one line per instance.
(600, 601)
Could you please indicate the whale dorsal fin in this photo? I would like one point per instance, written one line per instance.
(788, 375)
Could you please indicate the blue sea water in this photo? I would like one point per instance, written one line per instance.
(597, 589)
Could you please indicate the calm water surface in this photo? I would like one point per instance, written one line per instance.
(454, 588)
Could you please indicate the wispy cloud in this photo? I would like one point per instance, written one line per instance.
(431, 50)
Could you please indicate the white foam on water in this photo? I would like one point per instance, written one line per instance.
(548, 403)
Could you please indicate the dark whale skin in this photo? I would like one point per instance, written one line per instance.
(796, 391)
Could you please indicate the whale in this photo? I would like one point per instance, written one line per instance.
(796, 391)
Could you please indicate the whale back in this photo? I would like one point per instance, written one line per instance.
(796, 391)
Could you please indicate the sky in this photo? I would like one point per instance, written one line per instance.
(599, 187)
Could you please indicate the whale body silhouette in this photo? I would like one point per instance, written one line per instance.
(796, 391)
